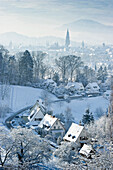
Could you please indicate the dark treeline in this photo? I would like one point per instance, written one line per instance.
(25, 68)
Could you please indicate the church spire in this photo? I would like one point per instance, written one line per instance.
(67, 41)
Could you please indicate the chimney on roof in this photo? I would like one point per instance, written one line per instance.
(80, 123)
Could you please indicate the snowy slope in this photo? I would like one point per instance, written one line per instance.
(22, 96)
(78, 106)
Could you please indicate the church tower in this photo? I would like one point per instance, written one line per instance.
(67, 41)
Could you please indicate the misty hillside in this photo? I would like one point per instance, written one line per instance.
(84, 25)
(19, 39)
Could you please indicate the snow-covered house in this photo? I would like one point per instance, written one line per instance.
(49, 84)
(103, 87)
(86, 150)
(92, 88)
(59, 91)
(107, 94)
(75, 133)
(36, 114)
(52, 125)
(2, 153)
(75, 87)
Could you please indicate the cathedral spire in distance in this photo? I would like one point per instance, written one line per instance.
(67, 41)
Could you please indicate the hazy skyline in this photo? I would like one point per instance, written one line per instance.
(41, 18)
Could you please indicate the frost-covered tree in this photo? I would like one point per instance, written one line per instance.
(66, 152)
(62, 64)
(68, 66)
(39, 67)
(43, 70)
(6, 146)
(4, 99)
(68, 118)
(82, 78)
(102, 74)
(45, 96)
(56, 78)
(87, 75)
(29, 148)
(61, 116)
(74, 63)
(99, 112)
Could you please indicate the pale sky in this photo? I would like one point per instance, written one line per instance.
(43, 17)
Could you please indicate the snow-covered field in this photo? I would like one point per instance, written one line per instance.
(21, 96)
(78, 106)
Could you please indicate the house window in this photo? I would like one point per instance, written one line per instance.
(58, 127)
(69, 135)
(73, 137)
(38, 119)
(54, 127)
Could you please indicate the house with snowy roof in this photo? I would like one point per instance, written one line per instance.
(75, 133)
(52, 125)
(36, 114)
(86, 150)
(75, 86)
(107, 94)
(49, 84)
(92, 88)
(2, 154)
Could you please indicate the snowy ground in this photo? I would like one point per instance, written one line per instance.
(78, 106)
(21, 97)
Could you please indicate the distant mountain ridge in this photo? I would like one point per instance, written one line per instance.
(85, 25)
(19, 39)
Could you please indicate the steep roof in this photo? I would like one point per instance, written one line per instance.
(85, 150)
(47, 122)
(77, 85)
(93, 85)
(34, 111)
(73, 132)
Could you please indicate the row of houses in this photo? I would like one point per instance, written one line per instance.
(50, 125)
(72, 88)
(39, 119)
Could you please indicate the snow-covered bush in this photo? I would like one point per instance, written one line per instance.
(66, 152)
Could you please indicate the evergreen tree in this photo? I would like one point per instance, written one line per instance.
(61, 117)
(1, 66)
(26, 68)
(56, 78)
(12, 70)
(91, 118)
(88, 117)
(102, 74)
